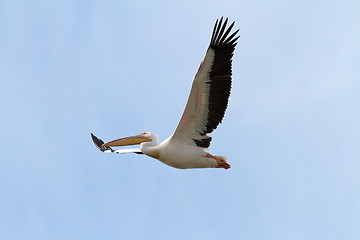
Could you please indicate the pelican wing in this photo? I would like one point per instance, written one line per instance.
(210, 90)
(99, 144)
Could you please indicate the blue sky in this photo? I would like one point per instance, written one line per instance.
(116, 68)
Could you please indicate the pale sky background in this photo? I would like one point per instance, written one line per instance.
(117, 68)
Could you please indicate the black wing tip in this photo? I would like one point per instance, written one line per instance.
(220, 36)
(98, 143)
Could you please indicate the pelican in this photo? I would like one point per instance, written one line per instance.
(204, 111)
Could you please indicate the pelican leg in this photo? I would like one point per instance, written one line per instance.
(220, 161)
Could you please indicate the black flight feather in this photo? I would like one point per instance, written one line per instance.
(220, 77)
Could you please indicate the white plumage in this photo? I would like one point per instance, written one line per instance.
(204, 111)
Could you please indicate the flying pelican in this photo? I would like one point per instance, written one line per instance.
(204, 111)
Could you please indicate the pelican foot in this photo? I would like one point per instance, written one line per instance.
(221, 163)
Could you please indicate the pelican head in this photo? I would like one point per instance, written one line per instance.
(132, 140)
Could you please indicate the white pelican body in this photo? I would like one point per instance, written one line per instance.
(177, 154)
(203, 112)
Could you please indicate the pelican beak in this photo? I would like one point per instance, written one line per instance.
(137, 139)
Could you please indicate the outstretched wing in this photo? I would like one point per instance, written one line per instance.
(99, 144)
(210, 90)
